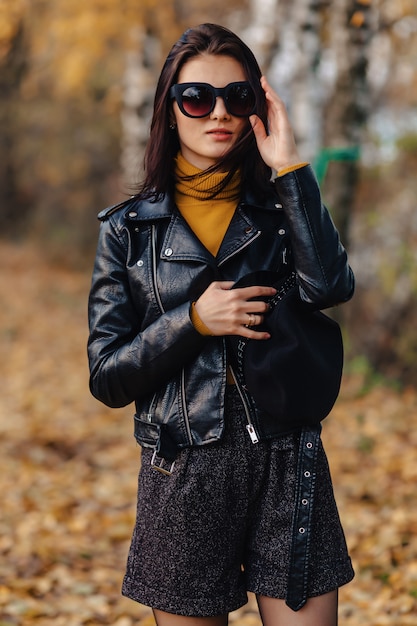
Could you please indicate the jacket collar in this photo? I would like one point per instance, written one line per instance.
(136, 209)
(144, 210)
(180, 243)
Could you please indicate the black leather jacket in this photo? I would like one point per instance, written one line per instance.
(149, 267)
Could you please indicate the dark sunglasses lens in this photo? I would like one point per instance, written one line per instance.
(197, 101)
(241, 100)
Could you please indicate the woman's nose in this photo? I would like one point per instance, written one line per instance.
(219, 110)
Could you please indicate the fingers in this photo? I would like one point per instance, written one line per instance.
(250, 312)
(226, 311)
(258, 129)
(276, 104)
(278, 149)
(253, 311)
(250, 329)
(249, 333)
(254, 292)
(253, 320)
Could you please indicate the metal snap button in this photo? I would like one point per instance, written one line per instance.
(309, 445)
(139, 263)
(307, 474)
(278, 205)
(281, 231)
(168, 252)
(132, 214)
(304, 502)
(301, 530)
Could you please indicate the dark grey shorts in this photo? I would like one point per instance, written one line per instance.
(221, 525)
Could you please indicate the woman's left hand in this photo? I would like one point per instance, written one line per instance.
(277, 147)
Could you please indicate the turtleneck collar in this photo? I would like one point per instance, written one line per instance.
(194, 182)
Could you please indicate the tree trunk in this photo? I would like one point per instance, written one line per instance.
(149, 43)
(12, 67)
(286, 39)
(351, 28)
(138, 92)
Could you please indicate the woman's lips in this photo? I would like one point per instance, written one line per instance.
(220, 133)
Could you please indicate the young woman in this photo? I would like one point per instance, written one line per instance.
(225, 193)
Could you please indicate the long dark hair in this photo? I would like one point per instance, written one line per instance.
(163, 144)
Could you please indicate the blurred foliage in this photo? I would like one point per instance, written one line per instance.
(381, 317)
(408, 145)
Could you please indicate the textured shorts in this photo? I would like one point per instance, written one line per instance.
(221, 525)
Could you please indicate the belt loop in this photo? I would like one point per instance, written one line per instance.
(301, 529)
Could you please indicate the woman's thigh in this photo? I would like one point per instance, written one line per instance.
(163, 618)
(318, 611)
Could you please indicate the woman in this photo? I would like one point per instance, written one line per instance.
(217, 510)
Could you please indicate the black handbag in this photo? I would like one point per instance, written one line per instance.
(295, 375)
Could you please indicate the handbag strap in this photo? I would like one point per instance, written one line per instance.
(285, 287)
(282, 290)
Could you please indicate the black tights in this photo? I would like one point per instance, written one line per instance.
(319, 611)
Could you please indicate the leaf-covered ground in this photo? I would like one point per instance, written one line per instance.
(69, 465)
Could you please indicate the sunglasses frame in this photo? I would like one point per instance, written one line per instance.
(177, 91)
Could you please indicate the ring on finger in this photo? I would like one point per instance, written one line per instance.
(252, 320)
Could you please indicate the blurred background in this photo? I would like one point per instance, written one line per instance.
(76, 90)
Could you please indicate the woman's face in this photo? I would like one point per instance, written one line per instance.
(204, 140)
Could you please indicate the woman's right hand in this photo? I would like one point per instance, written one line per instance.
(276, 144)
(227, 311)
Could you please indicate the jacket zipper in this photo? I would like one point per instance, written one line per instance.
(155, 286)
(249, 426)
(152, 406)
(158, 297)
(254, 437)
(184, 408)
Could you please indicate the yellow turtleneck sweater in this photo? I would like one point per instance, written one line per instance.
(207, 217)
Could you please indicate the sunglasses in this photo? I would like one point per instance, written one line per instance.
(199, 99)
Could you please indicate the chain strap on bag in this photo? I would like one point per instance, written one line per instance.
(294, 376)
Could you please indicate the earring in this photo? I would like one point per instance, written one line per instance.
(172, 126)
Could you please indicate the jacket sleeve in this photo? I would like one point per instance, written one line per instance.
(126, 361)
(324, 275)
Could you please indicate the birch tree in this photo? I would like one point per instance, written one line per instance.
(138, 89)
(352, 25)
(286, 36)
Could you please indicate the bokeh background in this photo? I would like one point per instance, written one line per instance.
(76, 89)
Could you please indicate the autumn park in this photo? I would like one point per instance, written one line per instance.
(77, 81)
